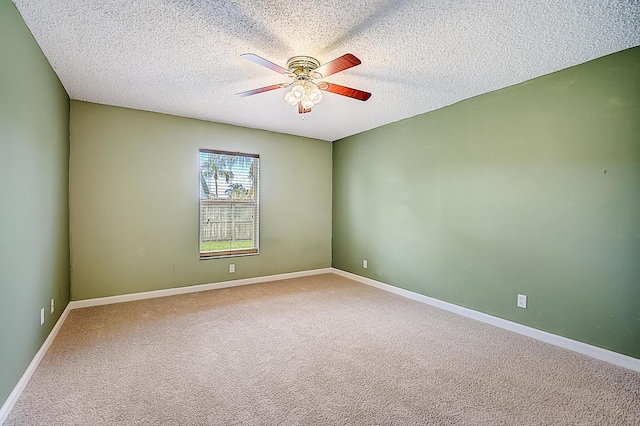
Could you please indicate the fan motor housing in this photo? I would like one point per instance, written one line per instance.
(302, 64)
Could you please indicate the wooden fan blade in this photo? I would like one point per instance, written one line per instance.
(302, 110)
(261, 61)
(260, 90)
(339, 64)
(346, 91)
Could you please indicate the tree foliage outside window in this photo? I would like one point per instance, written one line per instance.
(229, 204)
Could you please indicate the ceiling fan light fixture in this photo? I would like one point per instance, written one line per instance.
(290, 99)
(315, 95)
(298, 92)
(307, 103)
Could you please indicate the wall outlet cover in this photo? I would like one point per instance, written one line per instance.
(232, 268)
(41, 316)
(365, 263)
(522, 301)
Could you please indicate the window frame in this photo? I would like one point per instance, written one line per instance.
(255, 250)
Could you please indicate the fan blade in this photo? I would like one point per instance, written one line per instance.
(260, 90)
(339, 64)
(261, 61)
(302, 110)
(346, 91)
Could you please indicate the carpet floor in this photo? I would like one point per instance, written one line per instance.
(311, 351)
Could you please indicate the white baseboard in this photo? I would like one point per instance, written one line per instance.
(583, 348)
(193, 288)
(22, 383)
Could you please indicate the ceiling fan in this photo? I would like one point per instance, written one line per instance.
(305, 92)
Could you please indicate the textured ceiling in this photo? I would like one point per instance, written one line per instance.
(183, 57)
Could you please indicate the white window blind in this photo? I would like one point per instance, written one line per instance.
(229, 204)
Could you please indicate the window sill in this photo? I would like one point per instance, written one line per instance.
(230, 253)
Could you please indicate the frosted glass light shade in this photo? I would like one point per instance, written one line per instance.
(298, 92)
(315, 95)
(290, 99)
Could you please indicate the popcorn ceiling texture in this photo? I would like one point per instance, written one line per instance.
(183, 57)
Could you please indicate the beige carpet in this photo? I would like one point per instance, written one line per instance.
(315, 350)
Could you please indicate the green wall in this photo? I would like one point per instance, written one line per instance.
(34, 232)
(134, 201)
(507, 193)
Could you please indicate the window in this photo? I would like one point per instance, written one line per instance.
(229, 204)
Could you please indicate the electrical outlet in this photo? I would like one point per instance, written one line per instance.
(52, 306)
(364, 263)
(522, 301)
(41, 316)
(232, 268)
